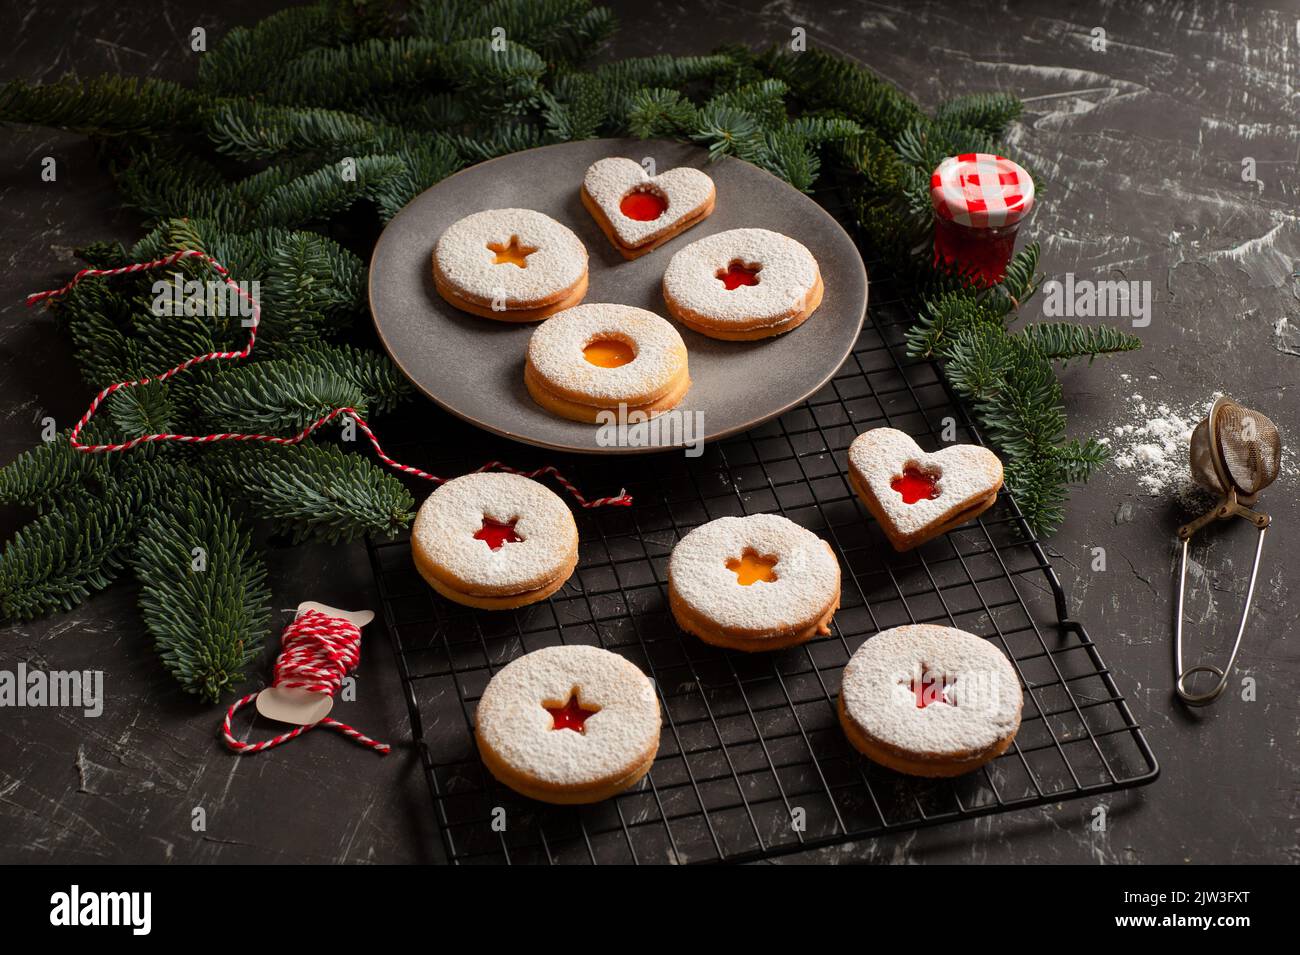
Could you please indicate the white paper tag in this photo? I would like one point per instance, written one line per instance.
(298, 706)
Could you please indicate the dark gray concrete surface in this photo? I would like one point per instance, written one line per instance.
(1143, 145)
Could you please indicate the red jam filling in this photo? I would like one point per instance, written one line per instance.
(570, 715)
(737, 274)
(643, 206)
(916, 485)
(983, 254)
(931, 688)
(495, 534)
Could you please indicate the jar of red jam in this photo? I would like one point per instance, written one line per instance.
(979, 202)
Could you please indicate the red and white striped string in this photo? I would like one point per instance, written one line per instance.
(317, 651)
(622, 498)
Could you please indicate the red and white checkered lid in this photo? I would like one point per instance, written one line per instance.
(981, 190)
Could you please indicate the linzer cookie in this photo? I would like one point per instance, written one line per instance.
(917, 496)
(638, 212)
(598, 357)
(568, 724)
(930, 701)
(494, 541)
(743, 285)
(511, 265)
(753, 583)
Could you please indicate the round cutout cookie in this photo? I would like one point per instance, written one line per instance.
(510, 265)
(930, 701)
(743, 284)
(597, 357)
(494, 541)
(753, 583)
(568, 724)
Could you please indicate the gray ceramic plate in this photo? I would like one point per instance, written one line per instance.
(474, 367)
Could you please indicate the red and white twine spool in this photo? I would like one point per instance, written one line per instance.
(622, 498)
(317, 651)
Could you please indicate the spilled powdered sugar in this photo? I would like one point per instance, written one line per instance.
(1152, 444)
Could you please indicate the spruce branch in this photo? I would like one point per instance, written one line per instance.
(203, 591)
(789, 155)
(312, 288)
(1061, 341)
(925, 143)
(508, 136)
(763, 100)
(249, 130)
(576, 109)
(383, 386)
(104, 254)
(325, 192)
(944, 319)
(279, 397)
(43, 476)
(824, 82)
(313, 490)
(66, 554)
(727, 131)
(1020, 281)
(104, 106)
(247, 57)
(419, 167)
(562, 31)
(824, 129)
(144, 409)
(505, 78)
(659, 112)
(664, 71)
(990, 113)
(1077, 460)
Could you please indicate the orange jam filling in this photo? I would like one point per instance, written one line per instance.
(643, 206)
(512, 252)
(608, 353)
(916, 485)
(750, 568)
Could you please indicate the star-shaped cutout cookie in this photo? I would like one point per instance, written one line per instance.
(570, 715)
(496, 534)
(513, 252)
(930, 687)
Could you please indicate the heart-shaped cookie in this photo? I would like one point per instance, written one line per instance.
(637, 212)
(916, 496)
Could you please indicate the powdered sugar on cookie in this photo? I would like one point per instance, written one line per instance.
(513, 721)
(807, 574)
(608, 181)
(981, 695)
(556, 351)
(450, 517)
(554, 260)
(787, 274)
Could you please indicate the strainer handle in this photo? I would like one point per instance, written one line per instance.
(1180, 674)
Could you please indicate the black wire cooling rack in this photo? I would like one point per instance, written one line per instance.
(752, 761)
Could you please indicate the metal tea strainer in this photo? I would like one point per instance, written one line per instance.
(1236, 453)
